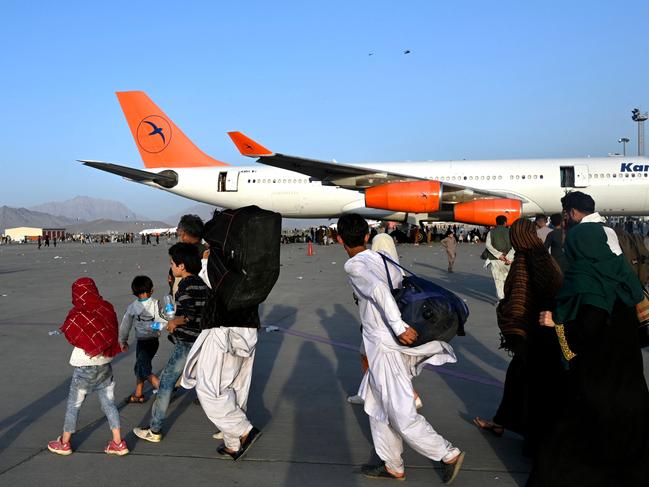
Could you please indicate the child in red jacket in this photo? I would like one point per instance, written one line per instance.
(91, 328)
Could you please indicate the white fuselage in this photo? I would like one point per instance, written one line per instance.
(619, 185)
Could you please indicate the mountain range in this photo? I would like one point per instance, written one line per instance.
(85, 208)
(93, 215)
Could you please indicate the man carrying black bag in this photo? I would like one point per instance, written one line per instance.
(240, 268)
(387, 390)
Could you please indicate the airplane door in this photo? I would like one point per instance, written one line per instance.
(574, 176)
(228, 181)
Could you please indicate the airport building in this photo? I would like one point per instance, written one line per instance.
(26, 234)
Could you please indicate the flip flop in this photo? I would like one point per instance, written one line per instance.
(253, 436)
(489, 426)
(133, 399)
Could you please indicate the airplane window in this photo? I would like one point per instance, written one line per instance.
(541, 176)
(596, 176)
(645, 175)
(536, 176)
(608, 175)
(482, 177)
(465, 177)
(248, 181)
(499, 178)
(511, 176)
(626, 175)
(518, 177)
(529, 177)
(614, 175)
(523, 177)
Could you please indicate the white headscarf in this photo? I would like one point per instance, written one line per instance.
(383, 242)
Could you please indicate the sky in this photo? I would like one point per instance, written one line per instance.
(483, 80)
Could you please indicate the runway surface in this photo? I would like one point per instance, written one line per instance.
(303, 374)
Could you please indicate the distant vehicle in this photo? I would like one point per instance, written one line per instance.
(464, 191)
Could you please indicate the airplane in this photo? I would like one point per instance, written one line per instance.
(467, 191)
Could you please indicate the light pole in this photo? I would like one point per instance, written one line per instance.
(636, 116)
(624, 141)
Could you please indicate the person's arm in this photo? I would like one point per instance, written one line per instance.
(157, 317)
(383, 298)
(125, 329)
(548, 241)
(492, 250)
(203, 272)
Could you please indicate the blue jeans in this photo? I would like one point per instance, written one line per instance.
(168, 378)
(84, 381)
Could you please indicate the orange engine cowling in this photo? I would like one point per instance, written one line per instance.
(484, 212)
(410, 197)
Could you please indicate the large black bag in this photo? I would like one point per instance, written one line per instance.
(433, 311)
(243, 265)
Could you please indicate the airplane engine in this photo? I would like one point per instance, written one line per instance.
(410, 197)
(484, 212)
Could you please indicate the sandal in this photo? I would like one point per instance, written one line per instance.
(133, 399)
(252, 436)
(490, 426)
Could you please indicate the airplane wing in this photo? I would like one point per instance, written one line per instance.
(348, 176)
(167, 179)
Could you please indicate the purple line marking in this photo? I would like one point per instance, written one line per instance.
(452, 373)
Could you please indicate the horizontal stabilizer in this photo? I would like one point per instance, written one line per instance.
(167, 179)
(247, 146)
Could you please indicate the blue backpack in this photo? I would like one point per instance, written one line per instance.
(433, 311)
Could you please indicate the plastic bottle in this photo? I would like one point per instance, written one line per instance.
(169, 310)
(157, 326)
(54, 332)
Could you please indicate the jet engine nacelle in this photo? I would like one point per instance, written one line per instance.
(484, 212)
(410, 197)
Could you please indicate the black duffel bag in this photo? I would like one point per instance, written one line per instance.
(243, 265)
(433, 311)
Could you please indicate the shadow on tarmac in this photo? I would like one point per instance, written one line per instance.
(14, 425)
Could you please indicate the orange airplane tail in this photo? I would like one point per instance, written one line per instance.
(160, 142)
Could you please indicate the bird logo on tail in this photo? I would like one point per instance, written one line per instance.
(154, 134)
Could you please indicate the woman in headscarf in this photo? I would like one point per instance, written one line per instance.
(601, 437)
(531, 286)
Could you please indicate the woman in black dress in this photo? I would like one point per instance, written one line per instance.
(601, 438)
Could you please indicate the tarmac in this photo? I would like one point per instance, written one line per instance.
(307, 363)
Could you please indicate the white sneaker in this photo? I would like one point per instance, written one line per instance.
(355, 400)
(418, 403)
(148, 435)
(218, 435)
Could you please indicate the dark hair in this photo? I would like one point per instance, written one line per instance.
(556, 219)
(141, 285)
(540, 216)
(352, 229)
(501, 220)
(579, 201)
(191, 225)
(186, 253)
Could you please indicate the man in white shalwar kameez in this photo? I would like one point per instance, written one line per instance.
(387, 391)
(219, 366)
